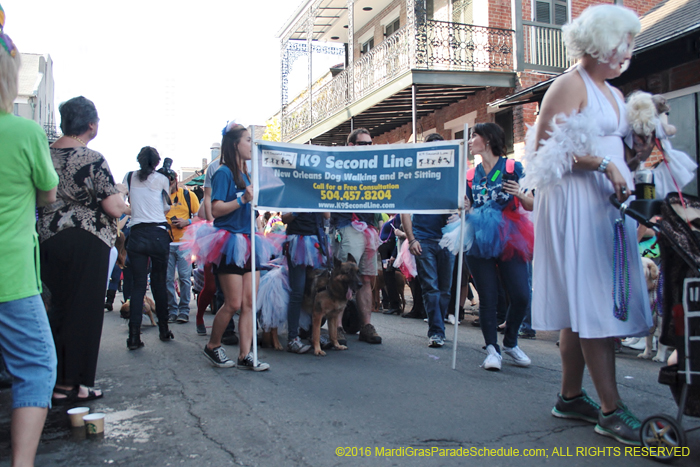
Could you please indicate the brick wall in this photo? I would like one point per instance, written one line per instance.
(478, 102)
(672, 79)
(378, 28)
(499, 14)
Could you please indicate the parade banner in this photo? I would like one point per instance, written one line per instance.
(413, 178)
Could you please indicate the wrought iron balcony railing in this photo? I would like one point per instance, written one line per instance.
(544, 48)
(456, 46)
(432, 45)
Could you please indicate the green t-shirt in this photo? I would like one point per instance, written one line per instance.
(25, 167)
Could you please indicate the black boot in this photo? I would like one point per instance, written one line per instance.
(110, 300)
(164, 332)
(134, 340)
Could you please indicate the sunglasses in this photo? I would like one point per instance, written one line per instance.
(363, 143)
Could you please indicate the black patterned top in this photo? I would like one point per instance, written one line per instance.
(84, 182)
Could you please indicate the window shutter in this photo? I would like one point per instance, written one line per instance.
(542, 12)
(560, 14)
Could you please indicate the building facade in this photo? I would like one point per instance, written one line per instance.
(35, 97)
(414, 67)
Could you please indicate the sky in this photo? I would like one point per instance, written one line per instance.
(160, 74)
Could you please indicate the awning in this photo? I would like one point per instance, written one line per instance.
(197, 181)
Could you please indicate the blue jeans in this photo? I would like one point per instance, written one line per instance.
(435, 274)
(29, 351)
(176, 259)
(513, 275)
(527, 321)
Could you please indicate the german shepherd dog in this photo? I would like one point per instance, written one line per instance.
(328, 295)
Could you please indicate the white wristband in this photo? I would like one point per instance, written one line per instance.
(604, 164)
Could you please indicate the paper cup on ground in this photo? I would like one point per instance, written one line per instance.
(94, 423)
(76, 416)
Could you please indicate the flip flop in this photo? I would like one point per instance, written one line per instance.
(71, 395)
(92, 395)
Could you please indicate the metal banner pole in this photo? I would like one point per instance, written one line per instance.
(460, 259)
(253, 257)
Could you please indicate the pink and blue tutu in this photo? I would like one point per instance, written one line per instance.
(493, 233)
(204, 243)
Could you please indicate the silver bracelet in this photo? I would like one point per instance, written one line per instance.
(604, 164)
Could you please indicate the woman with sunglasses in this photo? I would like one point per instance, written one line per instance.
(502, 242)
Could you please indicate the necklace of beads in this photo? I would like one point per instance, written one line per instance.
(621, 275)
(78, 139)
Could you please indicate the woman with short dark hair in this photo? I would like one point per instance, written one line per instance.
(76, 234)
(500, 242)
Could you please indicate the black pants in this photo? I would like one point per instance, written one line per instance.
(74, 266)
(148, 243)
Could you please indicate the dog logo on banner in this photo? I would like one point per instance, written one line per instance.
(279, 159)
(435, 159)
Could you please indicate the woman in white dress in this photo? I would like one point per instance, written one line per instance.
(575, 225)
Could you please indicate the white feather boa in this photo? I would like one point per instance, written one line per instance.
(576, 135)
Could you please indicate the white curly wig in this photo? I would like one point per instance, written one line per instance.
(601, 32)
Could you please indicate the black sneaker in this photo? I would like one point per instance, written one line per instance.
(218, 357)
(247, 364)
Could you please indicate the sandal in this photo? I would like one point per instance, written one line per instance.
(71, 395)
(92, 395)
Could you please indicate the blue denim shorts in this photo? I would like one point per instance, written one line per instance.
(29, 351)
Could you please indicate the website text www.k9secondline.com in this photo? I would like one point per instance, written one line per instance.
(345, 205)
(579, 451)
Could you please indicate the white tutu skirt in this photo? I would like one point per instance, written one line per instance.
(273, 296)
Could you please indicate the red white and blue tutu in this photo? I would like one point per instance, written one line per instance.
(204, 243)
(493, 233)
(307, 250)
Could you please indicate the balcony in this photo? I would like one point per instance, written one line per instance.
(543, 48)
(436, 47)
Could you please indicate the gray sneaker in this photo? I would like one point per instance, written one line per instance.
(436, 341)
(579, 408)
(297, 346)
(183, 318)
(621, 425)
(172, 318)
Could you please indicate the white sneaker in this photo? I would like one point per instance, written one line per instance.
(493, 359)
(451, 319)
(517, 355)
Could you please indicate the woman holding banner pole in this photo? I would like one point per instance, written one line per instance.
(498, 242)
(227, 245)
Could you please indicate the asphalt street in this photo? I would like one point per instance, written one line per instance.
(394, 404)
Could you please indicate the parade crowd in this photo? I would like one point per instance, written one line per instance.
(63, 214)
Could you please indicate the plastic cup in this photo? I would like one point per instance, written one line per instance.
(76, 416)
(94, 423)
